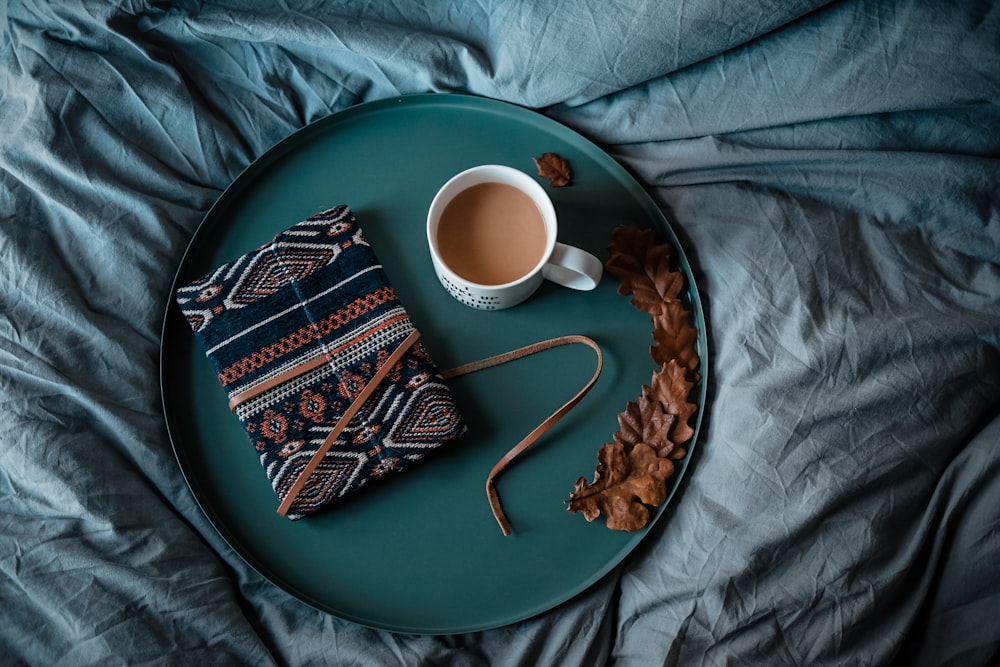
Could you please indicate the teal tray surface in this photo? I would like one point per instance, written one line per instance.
(420, 552)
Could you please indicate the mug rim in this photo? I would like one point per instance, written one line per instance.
(526, 184)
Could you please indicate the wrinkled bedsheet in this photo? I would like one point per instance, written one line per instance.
(831, 168)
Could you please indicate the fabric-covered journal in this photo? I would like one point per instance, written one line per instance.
(320, 362)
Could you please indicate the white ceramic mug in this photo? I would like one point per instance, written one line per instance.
(563, 264)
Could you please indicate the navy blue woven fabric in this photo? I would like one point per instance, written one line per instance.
(315, 306)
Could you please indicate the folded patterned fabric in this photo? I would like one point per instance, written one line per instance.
(320, 361)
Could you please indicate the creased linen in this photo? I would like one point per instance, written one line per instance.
(831, 169)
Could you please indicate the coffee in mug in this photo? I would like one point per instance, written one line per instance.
(492, 235)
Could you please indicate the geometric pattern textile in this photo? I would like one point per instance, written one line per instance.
(295, 330)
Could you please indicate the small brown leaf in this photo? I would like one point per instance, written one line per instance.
(671, 386)
(674, 336)
(643, 268)
(553, 167)
(644, 421)
(624, 484)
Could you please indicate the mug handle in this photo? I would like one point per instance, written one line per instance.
(572, 267)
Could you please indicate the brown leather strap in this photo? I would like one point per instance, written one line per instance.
(298, 369)
(465, 369)
(290, 374)
(344, 420)
(491, 492)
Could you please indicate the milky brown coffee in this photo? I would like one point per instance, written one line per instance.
(491, 234)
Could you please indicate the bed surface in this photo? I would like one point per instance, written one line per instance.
(831, 169)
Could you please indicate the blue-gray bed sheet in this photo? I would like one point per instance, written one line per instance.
(831, 168)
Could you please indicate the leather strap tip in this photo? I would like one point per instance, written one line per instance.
(498, 513)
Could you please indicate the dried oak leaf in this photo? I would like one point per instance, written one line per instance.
(643, 268)
(674, 336)
(670, 386)
(645, 422)
(553, 167)
(624, 484)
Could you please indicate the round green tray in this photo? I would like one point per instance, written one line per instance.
(420, 552)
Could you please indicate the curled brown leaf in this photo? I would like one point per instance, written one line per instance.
(645, 421)
(643, 268)
(553, 167)
(624, 484)
(671, 386)
(674, 337)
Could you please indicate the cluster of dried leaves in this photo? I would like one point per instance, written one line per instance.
(633, 470)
